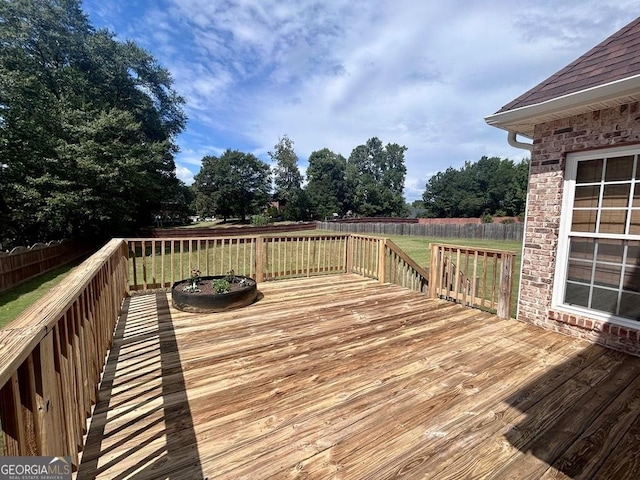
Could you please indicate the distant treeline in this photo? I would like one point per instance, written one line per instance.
(490, 186)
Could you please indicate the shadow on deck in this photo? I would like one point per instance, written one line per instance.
(341, 377)
(142, 423)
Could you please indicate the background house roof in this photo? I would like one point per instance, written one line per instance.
(605, 76)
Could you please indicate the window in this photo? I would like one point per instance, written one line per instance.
(598, 269)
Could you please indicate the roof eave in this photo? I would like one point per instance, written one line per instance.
(524, 119)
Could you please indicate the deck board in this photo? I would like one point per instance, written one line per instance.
(342, 377)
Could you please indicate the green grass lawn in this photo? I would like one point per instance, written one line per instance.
(15, 301)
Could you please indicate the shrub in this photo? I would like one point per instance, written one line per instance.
(507, 221)
(486, 218)
(259, 220)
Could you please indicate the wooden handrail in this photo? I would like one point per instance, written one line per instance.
(476, 277)
(403, 270)
(51, 357)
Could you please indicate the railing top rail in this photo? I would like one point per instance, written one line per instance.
(19, 338)
(239, 237)
(468, 249)
(364, 235)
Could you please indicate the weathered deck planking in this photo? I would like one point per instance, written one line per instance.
(343, 377)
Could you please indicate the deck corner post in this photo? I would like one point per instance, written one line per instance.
(349, 254)
(433, 270)
(259, 266)
(382, 256)
(125, 258)
(506, 275)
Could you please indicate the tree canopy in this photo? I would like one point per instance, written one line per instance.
(235, 184)
(326, 183)
(87, 126)
(287, 180)
(375, 179)
(490, 186)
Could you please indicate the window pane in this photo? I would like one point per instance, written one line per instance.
(584, 221)
(579, 271)
(632, 279)
(616, 195)
(634, 227)
(612, 221)
(630, 305)
(620, 168)
(633, 253)
(589, 171)
(576, 294)
(607, 275)
(604, 300)
(587, 196)
(636, 195)
(611, 251)
(582, 248)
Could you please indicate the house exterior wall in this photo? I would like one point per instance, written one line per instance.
(552, 141)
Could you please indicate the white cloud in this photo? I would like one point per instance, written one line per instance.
(184, 174)
(334, 73)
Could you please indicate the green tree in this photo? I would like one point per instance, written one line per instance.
(234, 184)
(87, 126)
(326, 183)
(287, 179)
(490, 186)
(375, 179)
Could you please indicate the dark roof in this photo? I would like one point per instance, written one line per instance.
(615, 58)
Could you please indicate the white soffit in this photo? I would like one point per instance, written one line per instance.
(523, 120)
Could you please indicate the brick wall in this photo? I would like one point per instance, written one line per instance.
(552, 141)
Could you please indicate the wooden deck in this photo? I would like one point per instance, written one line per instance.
(341, 377)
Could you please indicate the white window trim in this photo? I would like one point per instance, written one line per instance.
(565, 229)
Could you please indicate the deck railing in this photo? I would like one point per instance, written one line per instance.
(400, 269)
(475, 277)
(157, 263)
(52, 356)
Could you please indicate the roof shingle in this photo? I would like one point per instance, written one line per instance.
(615, 58)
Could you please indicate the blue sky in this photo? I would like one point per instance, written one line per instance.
(333, 73)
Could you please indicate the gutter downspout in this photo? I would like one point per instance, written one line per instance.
(511, 138)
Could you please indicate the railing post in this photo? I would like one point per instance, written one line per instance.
(382, 250)
(434, 271)
(259, 266)
(349, 254)
(506, 275)
(125, 254)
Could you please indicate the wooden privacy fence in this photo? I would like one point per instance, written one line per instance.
(475, 277)
(226, 231)
(22, 263)
(486, 231)
(52, 356)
